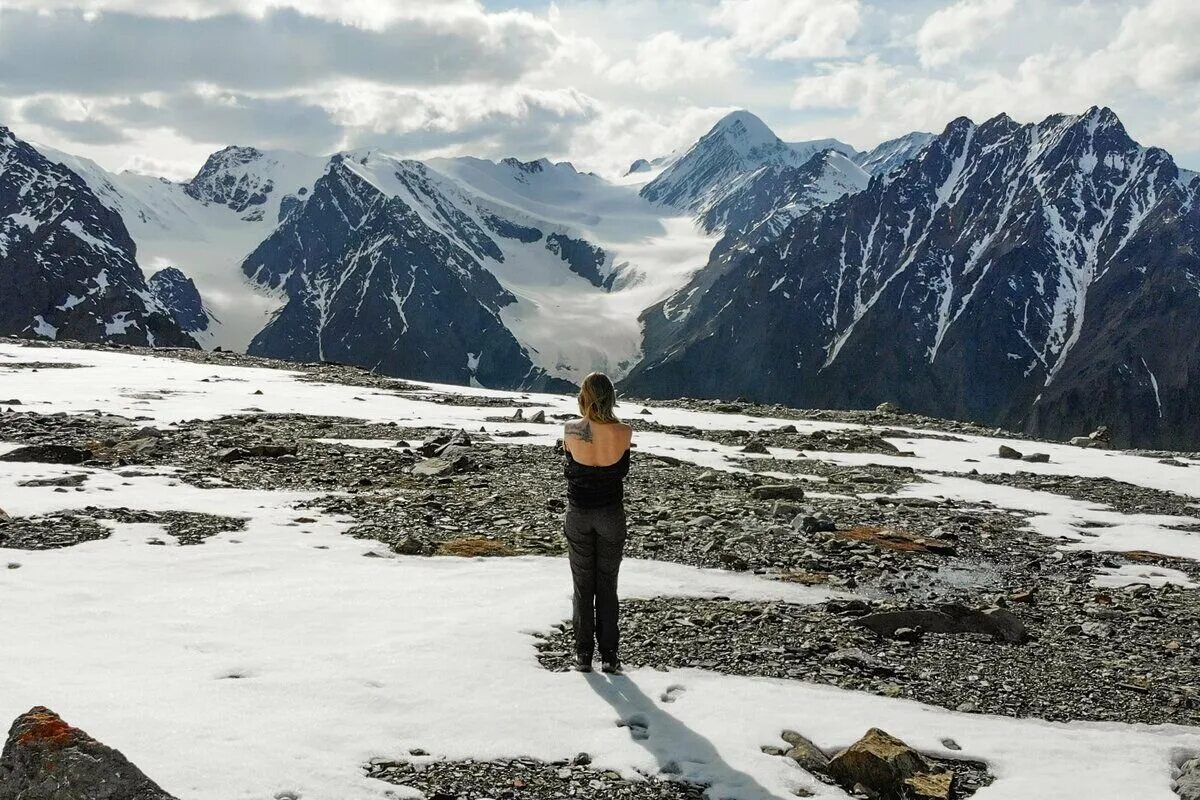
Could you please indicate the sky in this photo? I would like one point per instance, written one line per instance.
(156, 87)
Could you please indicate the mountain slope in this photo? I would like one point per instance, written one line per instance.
(178, 296)
(205, 227)
(369, 282)
(1037, 276)
(67, 264)
(887, 156)
(758, 206)
(738, 145)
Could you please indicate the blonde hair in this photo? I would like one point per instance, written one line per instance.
(597, 398)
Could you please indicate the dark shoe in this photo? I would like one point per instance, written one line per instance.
(583, 663)
(610, 665)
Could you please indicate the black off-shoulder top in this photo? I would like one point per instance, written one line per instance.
(595, 487)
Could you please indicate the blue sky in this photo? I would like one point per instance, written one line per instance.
(156, 87)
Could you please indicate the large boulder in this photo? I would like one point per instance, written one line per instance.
(47, 759)
(889, 768)
(48, 454)
(778, 491)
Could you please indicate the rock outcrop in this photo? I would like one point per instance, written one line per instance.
(47, 759)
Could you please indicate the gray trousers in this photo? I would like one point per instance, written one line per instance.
(595, 541)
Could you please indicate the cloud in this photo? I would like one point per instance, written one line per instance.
(374, 14)
(478, 120)
(158, 86)
(1139, 61)
(1155, 47)
(618, 135)
(72, 119)
(782, 29)
(668, 60)
(111, 53)
(219, 116)
(950, 32)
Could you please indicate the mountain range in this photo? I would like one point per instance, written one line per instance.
(1041, 276)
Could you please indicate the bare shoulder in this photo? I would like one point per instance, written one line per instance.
(578, 429)
(626, 431)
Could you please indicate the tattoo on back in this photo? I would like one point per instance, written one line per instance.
(581, 429)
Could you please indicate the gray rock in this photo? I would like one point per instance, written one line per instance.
(778, 491)
(1037, 458)
(786, 509)
(999, 623)
(46, 759)
(1008, 452)
(858, 659)
(76, 479)
(1187, 784)
(48, 454)
(805, 753)
(272, 450)
(439, 465)
(230, 454)
(810, 523)
(408, 546)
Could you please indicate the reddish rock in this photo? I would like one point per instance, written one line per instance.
(47, 759)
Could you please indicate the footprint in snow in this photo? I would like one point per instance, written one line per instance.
(639, 728)
(672, 693)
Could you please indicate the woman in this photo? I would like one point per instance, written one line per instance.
(596, 460)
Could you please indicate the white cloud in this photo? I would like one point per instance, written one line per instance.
(1156, 47)
(789, 28)
(375, 14)
(526, 123)
(73, 51)
(667, 60)
(950, 32)
(600, 82)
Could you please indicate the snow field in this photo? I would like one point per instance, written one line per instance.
(280, 659)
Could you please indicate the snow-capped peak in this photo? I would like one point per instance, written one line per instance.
(738, 145)
(745, 133)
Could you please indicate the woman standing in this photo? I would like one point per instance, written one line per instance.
(596, 461)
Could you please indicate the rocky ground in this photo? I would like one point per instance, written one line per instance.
(510, 779)
(1058, 648)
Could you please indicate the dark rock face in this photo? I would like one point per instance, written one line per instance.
(224, 180)
(370, 283)
(178, 294)
(759, 206)
(67, 263)
(884, 158)
(511, 230)
(46, 759)
(584, 259)
(1039, 277)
